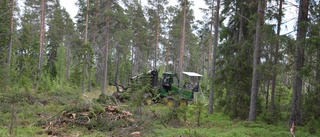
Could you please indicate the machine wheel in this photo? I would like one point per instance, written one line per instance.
(183, 102)
(170, 102)
(149, 101)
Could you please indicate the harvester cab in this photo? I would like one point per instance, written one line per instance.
(193, 81)
(168, 80)
(193, 84)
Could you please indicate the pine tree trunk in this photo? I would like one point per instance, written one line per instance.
(296, 112)
(209, 52)
(84, 73)
(267, 93)
(317, 90)
(67, 62)
(105, 63)
(132, 52)
(94, 43)
(274, 77)
(10, 42)
(88, 62)
(157, 37)
(117, 64)
(85, 56)
(167, 57)
(182, 43)
(41, 41)
(256, 58)
(87, 18)
(214, 52)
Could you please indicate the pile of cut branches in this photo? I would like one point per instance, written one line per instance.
(90, 117)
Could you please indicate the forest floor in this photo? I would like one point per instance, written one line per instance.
(69, 113)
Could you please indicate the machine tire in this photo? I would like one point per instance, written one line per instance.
(170, 102)
(183, 102)
(149, 101)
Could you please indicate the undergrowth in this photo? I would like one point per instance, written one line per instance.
(28, 110)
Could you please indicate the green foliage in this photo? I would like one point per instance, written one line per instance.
(198, 109)
(61, 65)
(83, 63)
(106, 99)
(219, 125)
(312, 126)
(141, 88)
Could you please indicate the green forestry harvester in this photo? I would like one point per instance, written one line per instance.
(165, 89)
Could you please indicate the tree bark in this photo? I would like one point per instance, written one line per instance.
(10, 42)
(267, 93)
(167, 56)
(317, 89)
(182, 43)
(67, 62)
(87, 18)
(94, 39)
(117, 63)
(274, 77)
(85, 56)
(88, 59)
(214, 52)
(209, 51)
(42, 19)
(157, 36)
(105, 63)
(256, 60)
(296, 112)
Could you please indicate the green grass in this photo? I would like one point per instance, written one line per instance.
(216, 125)
(231, 129)
(220, 125)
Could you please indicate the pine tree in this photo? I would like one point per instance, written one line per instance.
(182, 42)
(105, 63)
(156, 13)
(234, 59)
(296, 111)
(55, 38)
(256, 61)
(41, 41)
(139, 44)
(4, 40)
(274, 77)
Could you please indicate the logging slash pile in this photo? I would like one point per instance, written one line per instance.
(94, 117)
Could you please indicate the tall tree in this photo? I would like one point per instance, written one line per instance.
(313, 50)
(11, 39)
(41, 41)
(234, 58)
(209, 50)
(55, 37)
(105, 63)
(69, 32)
(182, 42)
(156, 13)
(214, 52)
(256, 61)
(4, 41)
(296, 112)
(139, 44)
(85, 44)
(274, 77)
